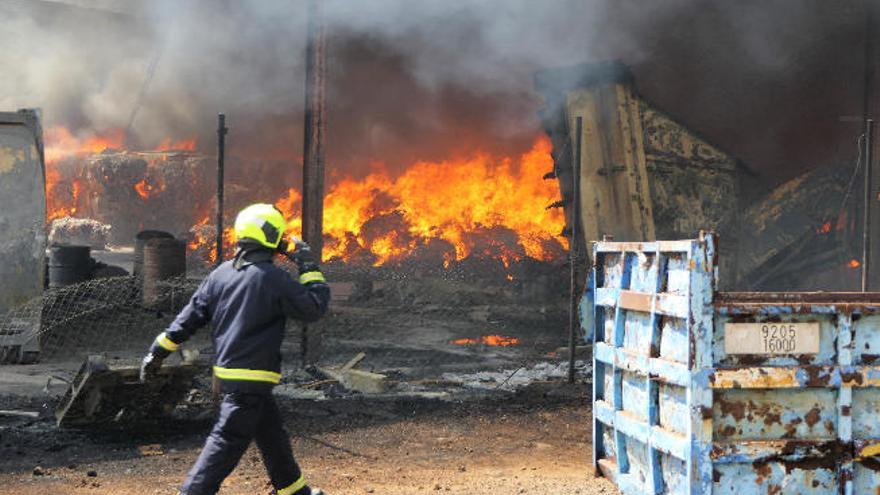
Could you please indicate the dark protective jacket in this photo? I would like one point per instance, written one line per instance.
(247, 305)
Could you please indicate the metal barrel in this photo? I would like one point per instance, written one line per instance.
(69, 264)
(163, 259)
(139, 241)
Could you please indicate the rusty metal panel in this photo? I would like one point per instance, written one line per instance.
(23, 203)
(22, 222)
(675, 413)
(686, 170)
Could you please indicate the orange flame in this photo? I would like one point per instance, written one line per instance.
(63, 194)
(147, 188)
(472, 206)
(142, 189)
(61, 143)
(490, 340)
(854, 263)
(453, 201)
(204, 239)
(183, 145)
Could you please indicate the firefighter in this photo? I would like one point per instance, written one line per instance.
(246, 300)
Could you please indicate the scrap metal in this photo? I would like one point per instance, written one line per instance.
(675, 413)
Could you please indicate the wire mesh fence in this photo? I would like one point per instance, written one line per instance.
(102, 315)
(419, 320)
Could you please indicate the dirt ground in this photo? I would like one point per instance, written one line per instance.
(533, 442)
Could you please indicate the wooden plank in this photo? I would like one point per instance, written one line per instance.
(353, 362)
(615, 193)
(582, 104)
(364, 381)
(357, 380)
(105, 392)
(20, 414)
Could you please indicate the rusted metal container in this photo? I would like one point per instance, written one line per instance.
(704, 392)
(163, 259)
(69, 264)
(140, 240)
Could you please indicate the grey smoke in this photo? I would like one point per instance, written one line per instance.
(430, 79)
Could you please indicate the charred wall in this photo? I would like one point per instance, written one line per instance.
(693, 185)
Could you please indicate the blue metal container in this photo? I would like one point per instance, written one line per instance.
(702, 392)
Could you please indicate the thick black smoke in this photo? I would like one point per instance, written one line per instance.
(768, 80)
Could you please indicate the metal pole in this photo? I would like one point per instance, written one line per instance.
(573, 247)
(866, 216)
(313, 142)
(313, 155)
(870, 224)
(221, 158)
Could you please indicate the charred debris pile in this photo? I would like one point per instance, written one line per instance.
(644, 175)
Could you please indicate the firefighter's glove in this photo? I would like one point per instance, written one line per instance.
(150, 366)
(303, 256)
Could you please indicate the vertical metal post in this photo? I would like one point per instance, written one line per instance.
(313, 142)
(221, 158)
(870, 224)
(868, 205)
(573, 247)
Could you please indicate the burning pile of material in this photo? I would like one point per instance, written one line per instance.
(130, 191)
(478, 206)
(451, 210)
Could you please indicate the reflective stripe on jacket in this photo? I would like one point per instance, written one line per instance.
(247, 309)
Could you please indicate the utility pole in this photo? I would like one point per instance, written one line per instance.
(221, 158)
(313, 161)
(574, 322)
(869, 216)
(315, 124)
(871, 205)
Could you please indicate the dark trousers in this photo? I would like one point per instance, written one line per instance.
(243, 417)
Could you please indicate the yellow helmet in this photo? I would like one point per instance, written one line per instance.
(262, 223)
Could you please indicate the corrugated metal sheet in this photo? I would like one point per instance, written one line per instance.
(674, 413)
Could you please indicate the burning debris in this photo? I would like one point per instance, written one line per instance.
(479, 206)
(127, 190)
(490, 340)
